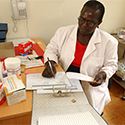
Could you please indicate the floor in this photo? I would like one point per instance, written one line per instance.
(114, 112)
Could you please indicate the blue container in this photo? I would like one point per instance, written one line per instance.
(1, 41)
(2, 35)
(3, 27)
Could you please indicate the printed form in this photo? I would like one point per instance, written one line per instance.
(13, 83)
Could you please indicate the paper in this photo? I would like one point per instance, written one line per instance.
(29, 72)
(30, 63)
(75, 87)
(72, 75)
(37, 81)
(80, 118)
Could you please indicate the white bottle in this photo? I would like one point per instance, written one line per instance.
(12, 65)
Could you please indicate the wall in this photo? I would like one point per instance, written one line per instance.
(46, 16)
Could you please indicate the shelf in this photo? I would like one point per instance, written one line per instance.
(119, 80)
(120, 40)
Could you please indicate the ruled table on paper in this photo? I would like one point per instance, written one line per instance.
(69, 119)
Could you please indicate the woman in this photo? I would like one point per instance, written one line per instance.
(86, 49)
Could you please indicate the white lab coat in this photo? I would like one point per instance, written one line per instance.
(100, 55)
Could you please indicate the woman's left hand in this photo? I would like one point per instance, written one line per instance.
(99, 79)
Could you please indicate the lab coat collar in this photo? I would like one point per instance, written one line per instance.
(96, 33)
(95, 39)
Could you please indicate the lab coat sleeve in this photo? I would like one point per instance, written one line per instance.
(61, 43)
(52, 49)
(111, 59)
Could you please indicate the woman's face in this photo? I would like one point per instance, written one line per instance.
(88, 20)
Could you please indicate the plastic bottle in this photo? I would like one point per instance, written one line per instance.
(12, 65)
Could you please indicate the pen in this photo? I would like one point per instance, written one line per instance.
(39, 57)
(28, 58)
(32, 58)
(51, 67)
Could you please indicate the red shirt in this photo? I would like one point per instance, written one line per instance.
(79, 52)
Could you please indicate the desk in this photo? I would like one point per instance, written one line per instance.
(20, 114)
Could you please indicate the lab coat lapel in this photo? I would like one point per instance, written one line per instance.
(95, 39)
(71, 47)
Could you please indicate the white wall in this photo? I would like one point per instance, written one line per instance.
(46, 16)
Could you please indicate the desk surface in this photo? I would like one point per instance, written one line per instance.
(24, 107)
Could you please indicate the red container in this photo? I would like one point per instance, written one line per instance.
(2, 94)
(25, 48)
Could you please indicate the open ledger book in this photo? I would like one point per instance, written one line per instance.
(63, 81)
(37, 81)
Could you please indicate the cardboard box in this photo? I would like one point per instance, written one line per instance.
(14, 89)
(16, 97)
(7, 50)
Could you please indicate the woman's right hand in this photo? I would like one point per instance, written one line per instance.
(47, 71)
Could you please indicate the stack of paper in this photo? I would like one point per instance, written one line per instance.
(32, 62)
(73, 75)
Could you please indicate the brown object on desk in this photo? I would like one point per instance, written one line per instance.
(73, 100)
(20, 114)
(22, 68)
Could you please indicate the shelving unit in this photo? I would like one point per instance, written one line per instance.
(121, 55)
(121, 83)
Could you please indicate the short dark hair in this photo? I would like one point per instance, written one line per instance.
(97, 6)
